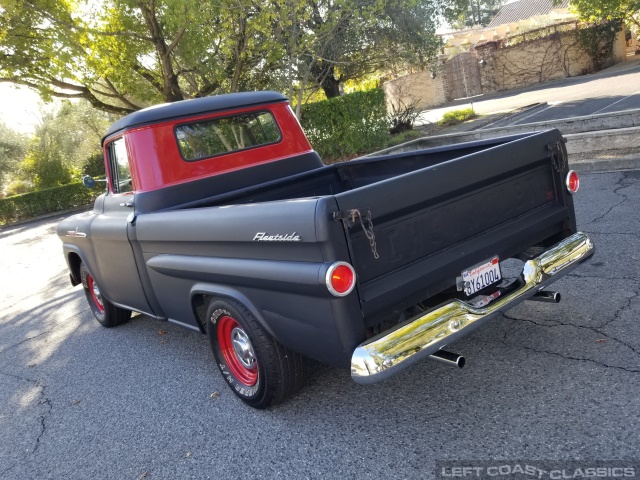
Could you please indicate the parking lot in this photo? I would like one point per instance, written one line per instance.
(612, 90)
(145, 401)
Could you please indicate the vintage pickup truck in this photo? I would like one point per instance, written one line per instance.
(220, 217)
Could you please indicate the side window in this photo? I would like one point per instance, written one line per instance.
(224, 135)
(119, 162)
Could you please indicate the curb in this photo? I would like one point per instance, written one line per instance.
(595, 165)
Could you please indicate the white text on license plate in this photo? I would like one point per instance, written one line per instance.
(481, 276)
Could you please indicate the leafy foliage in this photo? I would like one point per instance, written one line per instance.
(457, 116)
(346, 125)
(45, 201)
(598, 10)
(468, 13)
(12, 149)
(122, 55)
(63, 144)
(598, 41)
(402, 117)
(94, 166)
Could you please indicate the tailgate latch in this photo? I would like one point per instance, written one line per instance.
(353, 217)
(558, 157)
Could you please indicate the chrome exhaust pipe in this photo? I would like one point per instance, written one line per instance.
(545, 296)
(452, 359)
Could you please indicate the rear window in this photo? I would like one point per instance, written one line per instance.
(224, 135)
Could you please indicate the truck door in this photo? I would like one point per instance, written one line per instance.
(118, 275)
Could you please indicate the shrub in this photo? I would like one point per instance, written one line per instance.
(457, 116)
(45, 201)
(94, 166)
(402, 117)
(346, 125)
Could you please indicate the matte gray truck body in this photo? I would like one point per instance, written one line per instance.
(267, 236)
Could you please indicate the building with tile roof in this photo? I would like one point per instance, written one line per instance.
(513, 18)
(526, 9)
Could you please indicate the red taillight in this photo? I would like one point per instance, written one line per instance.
(341, 278)
(573, 181)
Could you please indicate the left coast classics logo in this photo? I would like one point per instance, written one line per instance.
(278, 237)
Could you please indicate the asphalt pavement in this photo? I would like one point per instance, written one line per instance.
(614, 89)
(145, 401)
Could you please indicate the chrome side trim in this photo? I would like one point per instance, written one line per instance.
(76, 233)
(386, 354)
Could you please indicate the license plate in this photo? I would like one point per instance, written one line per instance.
(481, 276)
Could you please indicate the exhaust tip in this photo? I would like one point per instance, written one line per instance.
(452, 359)
(546, 296)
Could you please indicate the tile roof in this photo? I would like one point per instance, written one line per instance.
(524, 9)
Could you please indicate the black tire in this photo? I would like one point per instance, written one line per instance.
(105, 312)
(266, 373)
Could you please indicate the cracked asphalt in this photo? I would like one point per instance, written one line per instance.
(543, 382)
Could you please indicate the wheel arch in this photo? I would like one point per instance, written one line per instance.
(75, 258)
(202, 294)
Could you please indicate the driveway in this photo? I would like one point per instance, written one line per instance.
(614, 89)
(144, 401)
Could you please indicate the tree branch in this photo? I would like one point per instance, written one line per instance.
(83, 92)
(176, 40)
(94, 31)
(148, 76)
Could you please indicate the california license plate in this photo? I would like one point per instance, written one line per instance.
(481, 276)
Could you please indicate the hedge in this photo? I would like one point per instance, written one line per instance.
(347, 125)
(32, 204)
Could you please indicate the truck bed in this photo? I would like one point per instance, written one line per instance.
(434, 212)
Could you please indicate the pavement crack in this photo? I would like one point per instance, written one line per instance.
(59, 322)
(597, 329)
(567, 357)
(620, 184)
(44, 400)
(600, 277)
(43, 418)
(25, 341)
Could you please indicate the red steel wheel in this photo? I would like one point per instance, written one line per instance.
(95, 293)
(103, 310)
(258, 370)
(237, 351)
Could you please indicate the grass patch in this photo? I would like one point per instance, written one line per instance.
(457, 116)
(403, 137)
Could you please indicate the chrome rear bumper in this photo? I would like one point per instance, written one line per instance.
(386, 354)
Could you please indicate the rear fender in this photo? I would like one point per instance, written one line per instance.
(225, 292)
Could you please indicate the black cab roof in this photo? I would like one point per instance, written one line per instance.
(168, 111)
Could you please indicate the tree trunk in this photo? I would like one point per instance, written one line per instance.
(171, 88)
(331, 86)
(323, 75)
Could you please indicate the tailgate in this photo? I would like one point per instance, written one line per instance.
(432, 223)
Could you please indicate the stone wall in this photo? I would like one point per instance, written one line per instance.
(418, 87)
(521, 60)
(531, 58)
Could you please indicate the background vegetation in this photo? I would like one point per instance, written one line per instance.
(347, 125)
(108, 58)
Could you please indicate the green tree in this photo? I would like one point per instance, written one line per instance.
(597, 10)
(349, 39)
(121, 55)
(469, 13)
(65, 144)
(12, 150)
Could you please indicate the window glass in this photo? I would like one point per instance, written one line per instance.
(223, 135)
(120, 172)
